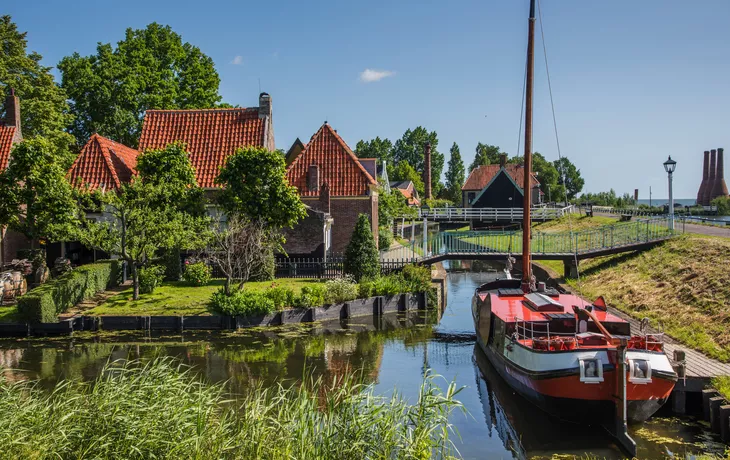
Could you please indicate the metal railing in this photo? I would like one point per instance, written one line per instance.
(493, 214)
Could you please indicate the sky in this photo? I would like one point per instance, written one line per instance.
(633, 81)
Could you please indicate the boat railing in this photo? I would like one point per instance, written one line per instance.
(541, 338)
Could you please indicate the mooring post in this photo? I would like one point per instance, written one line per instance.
(706, 395)
(725, 423)
(715, 403)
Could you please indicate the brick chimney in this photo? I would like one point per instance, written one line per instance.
(324, 198)
(266, 114)
(427, 171)
(705, 176)
(720, 185)
(503, 160)
(12, 114)
(710, 186)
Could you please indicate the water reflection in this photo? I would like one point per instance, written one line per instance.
(390, 352)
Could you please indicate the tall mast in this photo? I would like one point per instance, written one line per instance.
(526, 185)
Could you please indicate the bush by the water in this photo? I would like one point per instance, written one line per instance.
(115, 417)
(197, 274)
(340, 290)
(150, 277)
(44, 303)
(412, 279)
(311, 296)
(385, 238)
(241, 303)
(361, 256)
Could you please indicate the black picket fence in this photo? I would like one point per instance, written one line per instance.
(332, 267)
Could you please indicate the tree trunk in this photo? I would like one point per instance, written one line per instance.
(135, 281)
(228, 285)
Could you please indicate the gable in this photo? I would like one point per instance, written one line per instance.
(501, 192)
(103, 163)
(336, 164)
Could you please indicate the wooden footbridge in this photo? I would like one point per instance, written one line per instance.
(569, 247)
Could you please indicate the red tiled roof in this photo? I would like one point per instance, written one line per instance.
(7, 133)
(409, 195)
(210, 136)
(338, 166)
(103, 163)
(480, 177)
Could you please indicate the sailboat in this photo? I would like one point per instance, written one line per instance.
(570, 357)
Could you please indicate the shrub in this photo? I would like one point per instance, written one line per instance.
(361, 255)
(281, 296)
(241, 303)
(173, 267)
(340, 290)
(385, 238)
(150, 277)
(418, 277)
(311, 296)
(44, 303)
(197, 274)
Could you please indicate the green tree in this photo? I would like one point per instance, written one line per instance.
(150, 68)
(723, 205)
(455, 175)
(254, 186)
(145, 216)
(573, 181)
(485, 155)
(35, 197)
(404, 171)
(382, 149)
(410, 148)
(44, 107)
(361, 256)
(392, 205)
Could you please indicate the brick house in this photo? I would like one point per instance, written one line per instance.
(326, 161)
(498, 186)
(408, 190)
(10, 135)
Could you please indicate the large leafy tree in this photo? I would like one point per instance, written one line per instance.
(485, 155)
(382, 149)
(455, 175)
(573, 181)
(145, 216)
(35, 197)
(44, 110)
(410, 148)
(150, 68)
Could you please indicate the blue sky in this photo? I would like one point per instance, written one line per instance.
(633, 81)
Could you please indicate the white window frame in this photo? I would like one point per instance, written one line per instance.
(599, 367)
(636, 380)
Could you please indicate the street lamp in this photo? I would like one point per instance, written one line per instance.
(669, 166)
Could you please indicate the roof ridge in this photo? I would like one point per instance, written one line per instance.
(352, 154)
(212, 109)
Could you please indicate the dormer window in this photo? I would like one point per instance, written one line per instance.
(313, 178)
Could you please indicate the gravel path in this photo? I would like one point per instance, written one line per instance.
(706, 229)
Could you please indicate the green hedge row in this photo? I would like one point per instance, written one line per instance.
(44, 303)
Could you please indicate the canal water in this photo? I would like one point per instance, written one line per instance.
(391, 352)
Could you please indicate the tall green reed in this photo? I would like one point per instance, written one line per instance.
(159, 409)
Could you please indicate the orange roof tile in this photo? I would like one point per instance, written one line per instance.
(338, 166)
(210, 135)
(104, 164)
(480, 177)
(7, 133)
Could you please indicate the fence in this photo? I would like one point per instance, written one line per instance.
(332, 267)
(493, 214)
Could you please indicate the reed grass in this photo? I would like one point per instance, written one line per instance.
(159, 409)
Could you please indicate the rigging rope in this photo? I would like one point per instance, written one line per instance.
(557, 141)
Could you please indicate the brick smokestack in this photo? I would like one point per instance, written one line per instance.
(720, 188)
(427, 170)
(12, 114)
(705, 177)
(710, 187)
(503, 160)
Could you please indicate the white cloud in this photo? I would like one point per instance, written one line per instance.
(372, 75)
(238, 60)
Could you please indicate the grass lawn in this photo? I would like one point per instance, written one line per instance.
(574, 222)
(8, 314)
(177, 298)
(682, 283)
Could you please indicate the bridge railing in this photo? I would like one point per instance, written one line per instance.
(493, 214)
(584, 241)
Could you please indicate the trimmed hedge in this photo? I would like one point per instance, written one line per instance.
(44, 303)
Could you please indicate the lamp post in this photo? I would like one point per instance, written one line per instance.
(424, 213)
(669, 166)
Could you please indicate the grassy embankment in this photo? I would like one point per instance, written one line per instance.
(116, 417)
(178, 298)
(682, 283)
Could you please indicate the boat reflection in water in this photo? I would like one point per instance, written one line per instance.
(527, 431)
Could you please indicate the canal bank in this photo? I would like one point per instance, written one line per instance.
(393, 352)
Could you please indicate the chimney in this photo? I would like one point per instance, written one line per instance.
(705, 177)
(720, 188)
(12, 113)
(324, 198)
(427, 170)
(710, 187)
(503, 160)
(636, 195)
(313, 178)
(264, 105)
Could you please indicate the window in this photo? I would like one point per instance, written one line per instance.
(639, 371)
(591, 371)
(313, 178)
(470, 197)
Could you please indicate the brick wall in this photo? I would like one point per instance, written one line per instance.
(306, 239)
(344, 213)
(11, 243)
